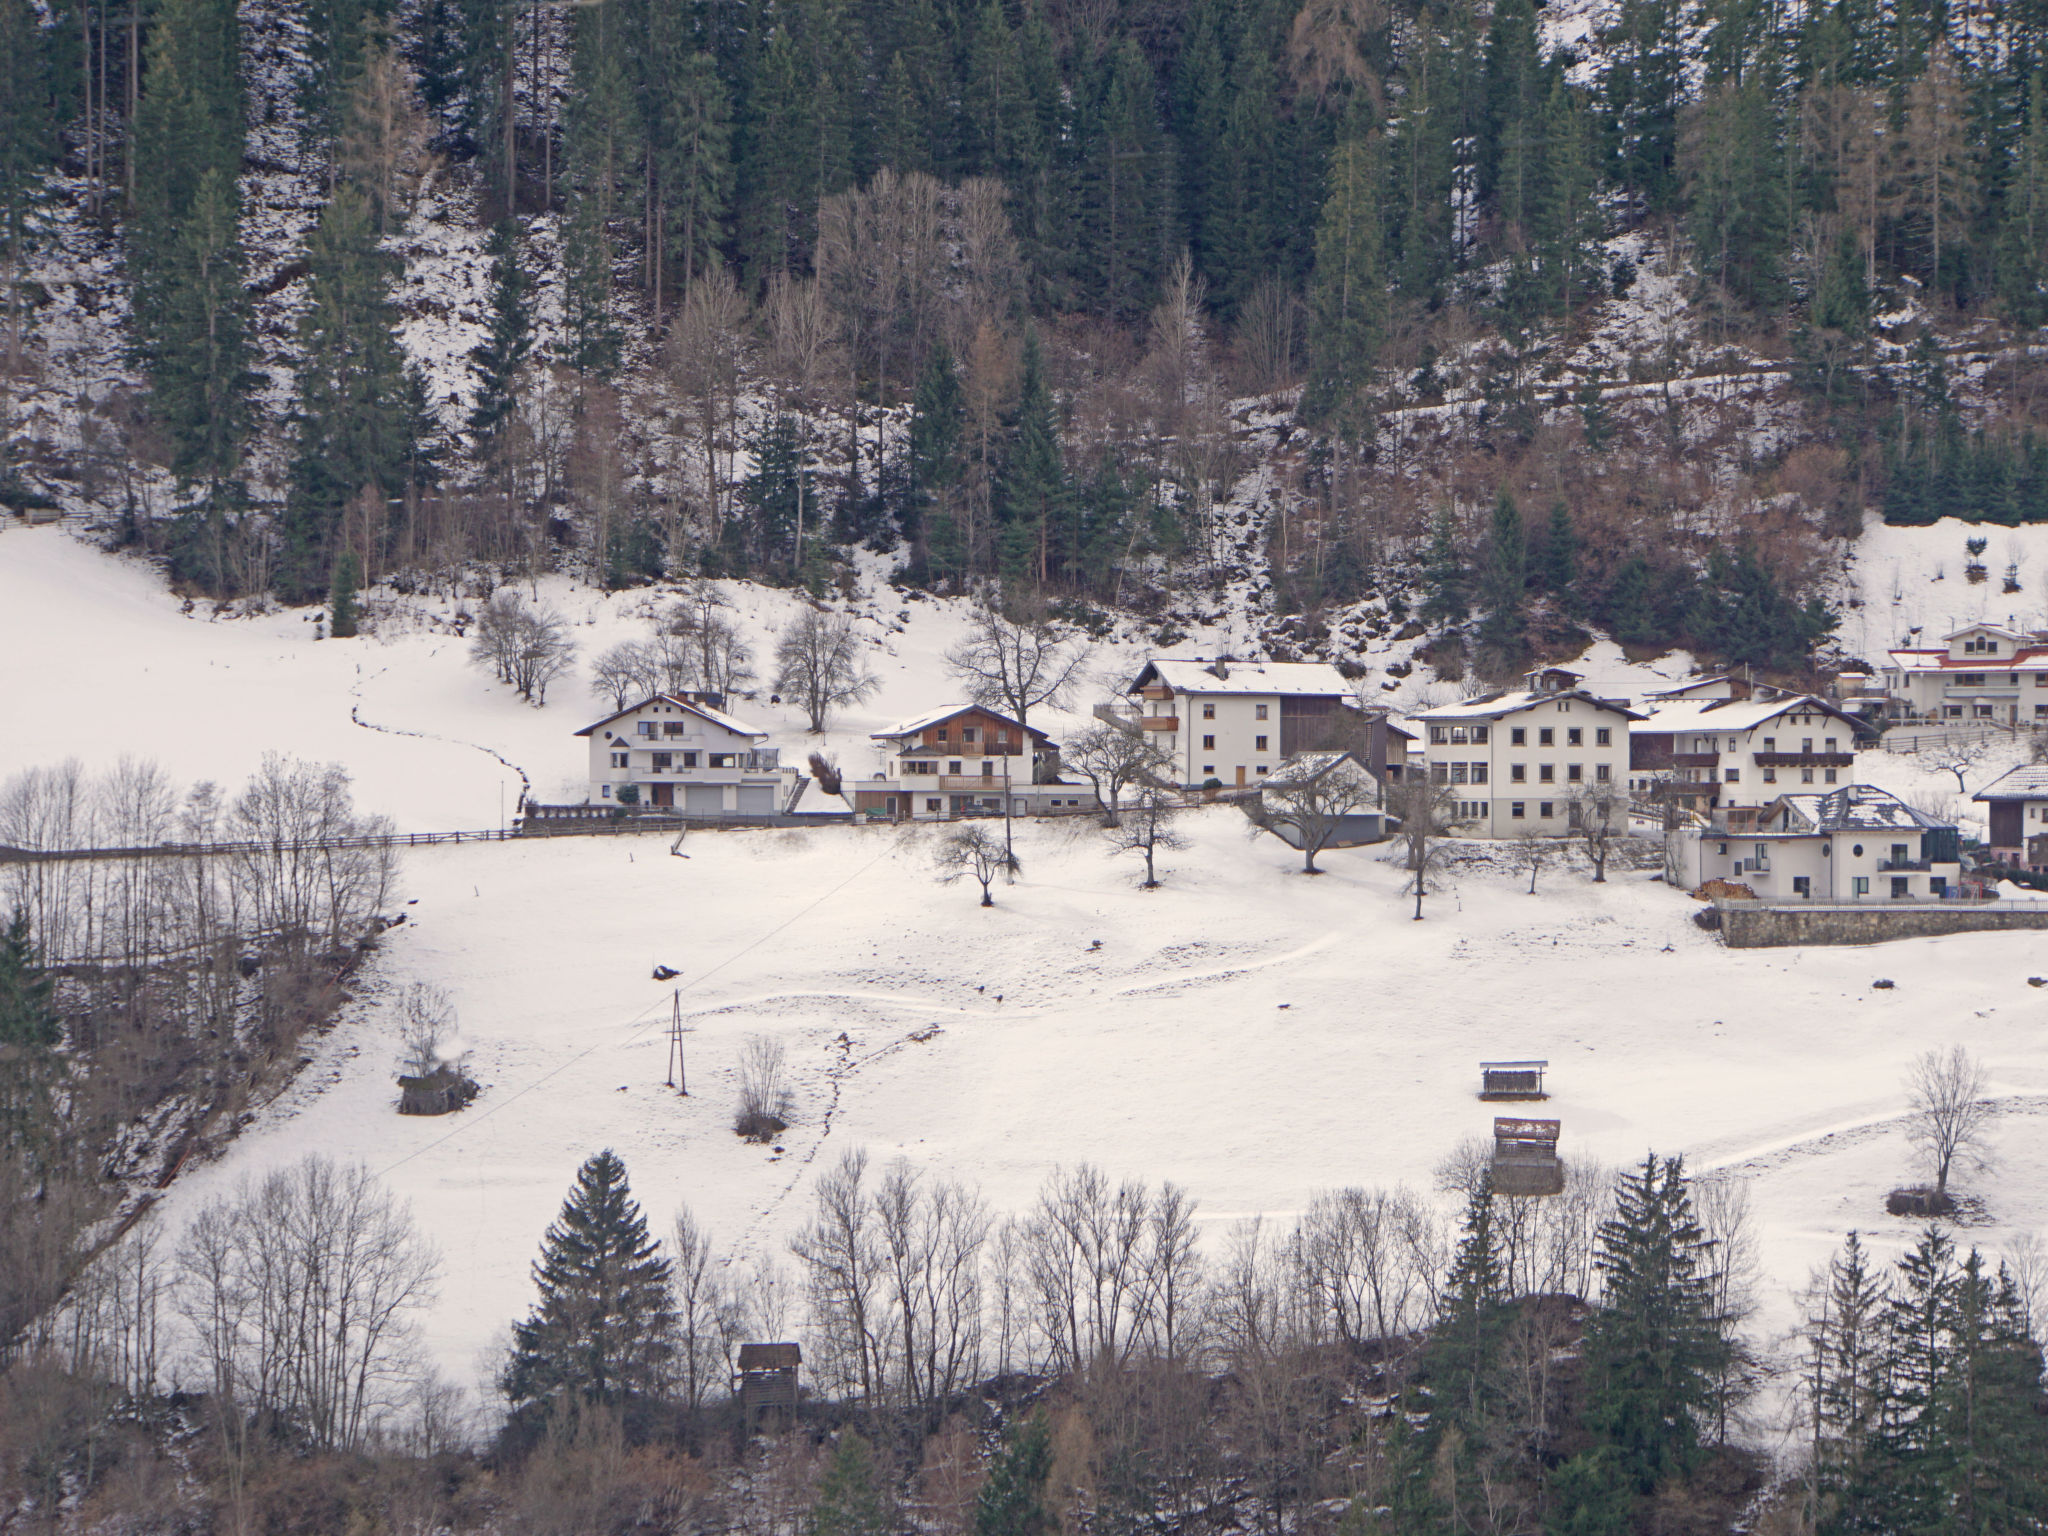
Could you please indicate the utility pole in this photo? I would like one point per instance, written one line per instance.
(678, 1078)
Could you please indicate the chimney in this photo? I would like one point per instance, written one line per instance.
(1221, 668)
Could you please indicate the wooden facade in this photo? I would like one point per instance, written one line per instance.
(1512, 1079)
(1525, 1160)
(767, 1380)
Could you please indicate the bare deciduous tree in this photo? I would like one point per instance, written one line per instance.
(619, 674)
(1426, 812)
(1306, 804)
(1113, 759)
(1945, 1090)
(1016, 664)
(841, 1253)
(1958, 755)
(706, 1323)
(426, 1028)
(819, 660)
(1598, 814)
(526, 647)
(1146, 828)
(978, 852)
(765, 1103)
(707, 355)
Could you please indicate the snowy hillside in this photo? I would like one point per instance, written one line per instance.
(1252, 1034)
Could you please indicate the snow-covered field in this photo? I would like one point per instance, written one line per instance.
(1245, 1031)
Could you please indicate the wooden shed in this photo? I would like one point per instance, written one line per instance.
(1525, 1160)
(768, 1379)
(1512, 1079)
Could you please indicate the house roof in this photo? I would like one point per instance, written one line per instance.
(1922, 659)
(1691, 688)
(1735, 714)
(2029, 781)
(2003, 631)
(1308, 767)
(1494, 705)
(940, 716)
(1858, 808)
(1194, 674)
(703, 711)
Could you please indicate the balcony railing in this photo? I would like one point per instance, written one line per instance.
(1903, 866)
(1805, 759)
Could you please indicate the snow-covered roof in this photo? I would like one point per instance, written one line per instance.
(1731, 714)
(1858, 808)
(2029, 781)
(1985, 626)
(934, 717)
(1307, 767)
(716, 717)
(1694, 689)
(1919, 659)
(1495, 705)
(1193, 674)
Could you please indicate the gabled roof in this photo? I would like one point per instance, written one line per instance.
(1856, 808)
(953, 711)
(1494, 705)
(716, 717)
(2029, 781)
(1737, 714)
(1193, 674)
(1308, 767)
(2003, 631)
(1691, 688)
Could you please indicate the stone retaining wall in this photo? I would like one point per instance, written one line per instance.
(1759, 926)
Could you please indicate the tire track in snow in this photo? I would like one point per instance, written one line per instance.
(355, 714)
(1778, 1154)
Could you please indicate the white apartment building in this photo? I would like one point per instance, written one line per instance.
(1986, 673)
(1520, 761)
(1856, 843)
(668, 751)
(1736, 755)
(1231, 723)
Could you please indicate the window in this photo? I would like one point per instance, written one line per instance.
(1831, 743)
(1802, 885)
(968, 734)
(1546, 773)
(689, 759)
(1438, 735)
(931, 805)
(1546, 810)
(1862, 885)
(1518, 737)
(1901, 886)
(1458, 773)
(1546, 737)
(1479, 773)
(1208, 770)
(1262, 769)
(605, 790)
(674, 727)
(619, 759)
(1828, 776)
(1603, 737)
(1208, 711)
(1458, 737)
(988, 769)
(1600, 773)
(1723, 850)
(1258, 711)
(649, 728)
(1518, 774)
(1857, 851)
(1937, 886)
(1518, 809)
(1002, 736)
(1439, 774)
(1971, 679)
(723, 760)
(952, 767)
(1953, 711)
(1770, 775)
(1770, 743)
(1574, 737)
(1258, 743)
(1574, 773)
(1806, 775)
(1983, 711)
(663, 761)
(1208, 743)
(939, 734)
(1806, 745)
(1733, 775)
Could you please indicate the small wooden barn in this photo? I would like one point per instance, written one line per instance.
(1512, 1079)
(768, 1379)
(1525, 1160)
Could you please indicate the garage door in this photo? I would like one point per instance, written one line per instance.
(704, 799)
(757, 800)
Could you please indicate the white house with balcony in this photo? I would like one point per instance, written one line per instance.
(1229, 724)
(674, 751)
(1982, 674)
(1522, 762)
(966, 760)
(1723, 759)
(1856, 843)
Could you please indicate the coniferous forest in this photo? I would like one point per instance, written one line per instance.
(1092, 299)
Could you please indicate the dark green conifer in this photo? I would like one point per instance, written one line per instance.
(1012, 1501)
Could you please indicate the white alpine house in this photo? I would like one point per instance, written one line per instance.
(673, 750)
(1520, 762)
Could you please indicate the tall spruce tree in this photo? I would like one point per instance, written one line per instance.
(1031, 491)
(498, 360)
(1121, 183)
(1504, 578)
(1465, 1364)
(184, 246)
(1653, 1344)
(1557, 561)
(849, 1500)
(357, 416)
(1348, 294)
(29, 1032)
(488, 56)
(602, 1331)
(28, 140)
(603, 162)
(937, 416)
(1643, 93)
(1445, 575)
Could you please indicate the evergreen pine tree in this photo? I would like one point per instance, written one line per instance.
(1654, 1342)
(1444, 573)
(694, 162)
(28, 1033)
(601, 1332)
(1347, 294)
(1012, 1501)
(1465, 1344)
(487, 52)
(357, 420)
(498, 359)
(2022, 255)
(1511, 141)
(775, 495)
(1239, 226)
(1121, 170)
(774, 181)
(1031, 489)
(1627, 610)
(1504, 577)
(1566, 218)
(603, 157)
(1739, 218)
(1557, 569)
(343, 618)
(1643, 91)
(937, 415)
(28, 138)
(1847, 1340)
(994, 116)
(849, 1503)
(338, 36)
(897, 138)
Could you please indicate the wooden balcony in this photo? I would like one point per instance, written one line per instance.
(1159, 722)
(1805, 759)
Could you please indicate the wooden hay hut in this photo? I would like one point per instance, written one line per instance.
(768, 1379)
(1512, 1079)
(1525, 1160)
(440, 1092)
